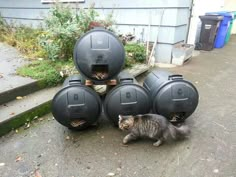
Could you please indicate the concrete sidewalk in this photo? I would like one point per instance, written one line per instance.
(210, 152)
(9, 62)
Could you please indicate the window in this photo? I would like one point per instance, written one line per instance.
(51, 1)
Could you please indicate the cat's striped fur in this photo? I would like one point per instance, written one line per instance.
(152, 126)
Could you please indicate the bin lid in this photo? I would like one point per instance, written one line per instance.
(126, 99)
(211, 17)
(99, 55)
(181, 97)
(76, 102)
(223, 13)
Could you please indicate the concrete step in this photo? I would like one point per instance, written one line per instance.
(16, 113)
(23, 88)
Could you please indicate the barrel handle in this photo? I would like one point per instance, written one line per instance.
(127, 80)
(76, 81)
(175, 77)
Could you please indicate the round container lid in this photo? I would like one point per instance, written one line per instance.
(76, 106)
(99, 55)
(126, 99)
(176, 100)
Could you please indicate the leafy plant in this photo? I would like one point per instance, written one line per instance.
(63, 27)
(134, 53)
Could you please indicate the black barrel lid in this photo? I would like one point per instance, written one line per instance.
(76, 106)
(211, 17)
(99, 51)
(176, 98)
(126, 99)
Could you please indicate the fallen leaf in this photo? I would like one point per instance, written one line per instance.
(111, 174)
(62, 74)
(2, 164)
(18, 158)
(37, 174)
(27, 125)
(36, 117)
(19, 97)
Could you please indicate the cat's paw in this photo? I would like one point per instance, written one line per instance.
(125, 140)
(158, 143)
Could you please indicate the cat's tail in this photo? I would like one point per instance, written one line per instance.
(177, 133)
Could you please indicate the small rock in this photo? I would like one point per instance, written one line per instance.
(40, 119)
(216, 170)
(67, 137)
(36, 117)
(88, 167)
(111, 174)
(40, 155)
(2, 164)
(115, 153)
(196, 82)
(118, 169)
(16, 130)
(102, 137)
(49, 141)
(56, 164)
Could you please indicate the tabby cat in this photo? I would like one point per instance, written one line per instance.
(152, 126)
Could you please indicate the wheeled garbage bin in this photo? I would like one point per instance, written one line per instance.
(76, 106)
(210, 24)
(172, 96)
(127, 98)
(223, 28)
(230, 27)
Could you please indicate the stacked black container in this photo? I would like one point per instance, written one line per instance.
(99, 56)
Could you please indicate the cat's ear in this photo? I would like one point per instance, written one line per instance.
(120, 117)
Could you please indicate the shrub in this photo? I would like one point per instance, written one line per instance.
(134, 53)
(64, 26)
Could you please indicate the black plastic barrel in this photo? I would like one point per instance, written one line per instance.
(210, 24)
(127, 98)
(76, 106)
(99, 55)
(172, 96)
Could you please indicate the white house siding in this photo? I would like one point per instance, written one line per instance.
(130, 16)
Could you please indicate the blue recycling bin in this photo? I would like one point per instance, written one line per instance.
(223, 29)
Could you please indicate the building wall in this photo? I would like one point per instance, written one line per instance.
(130, 16)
